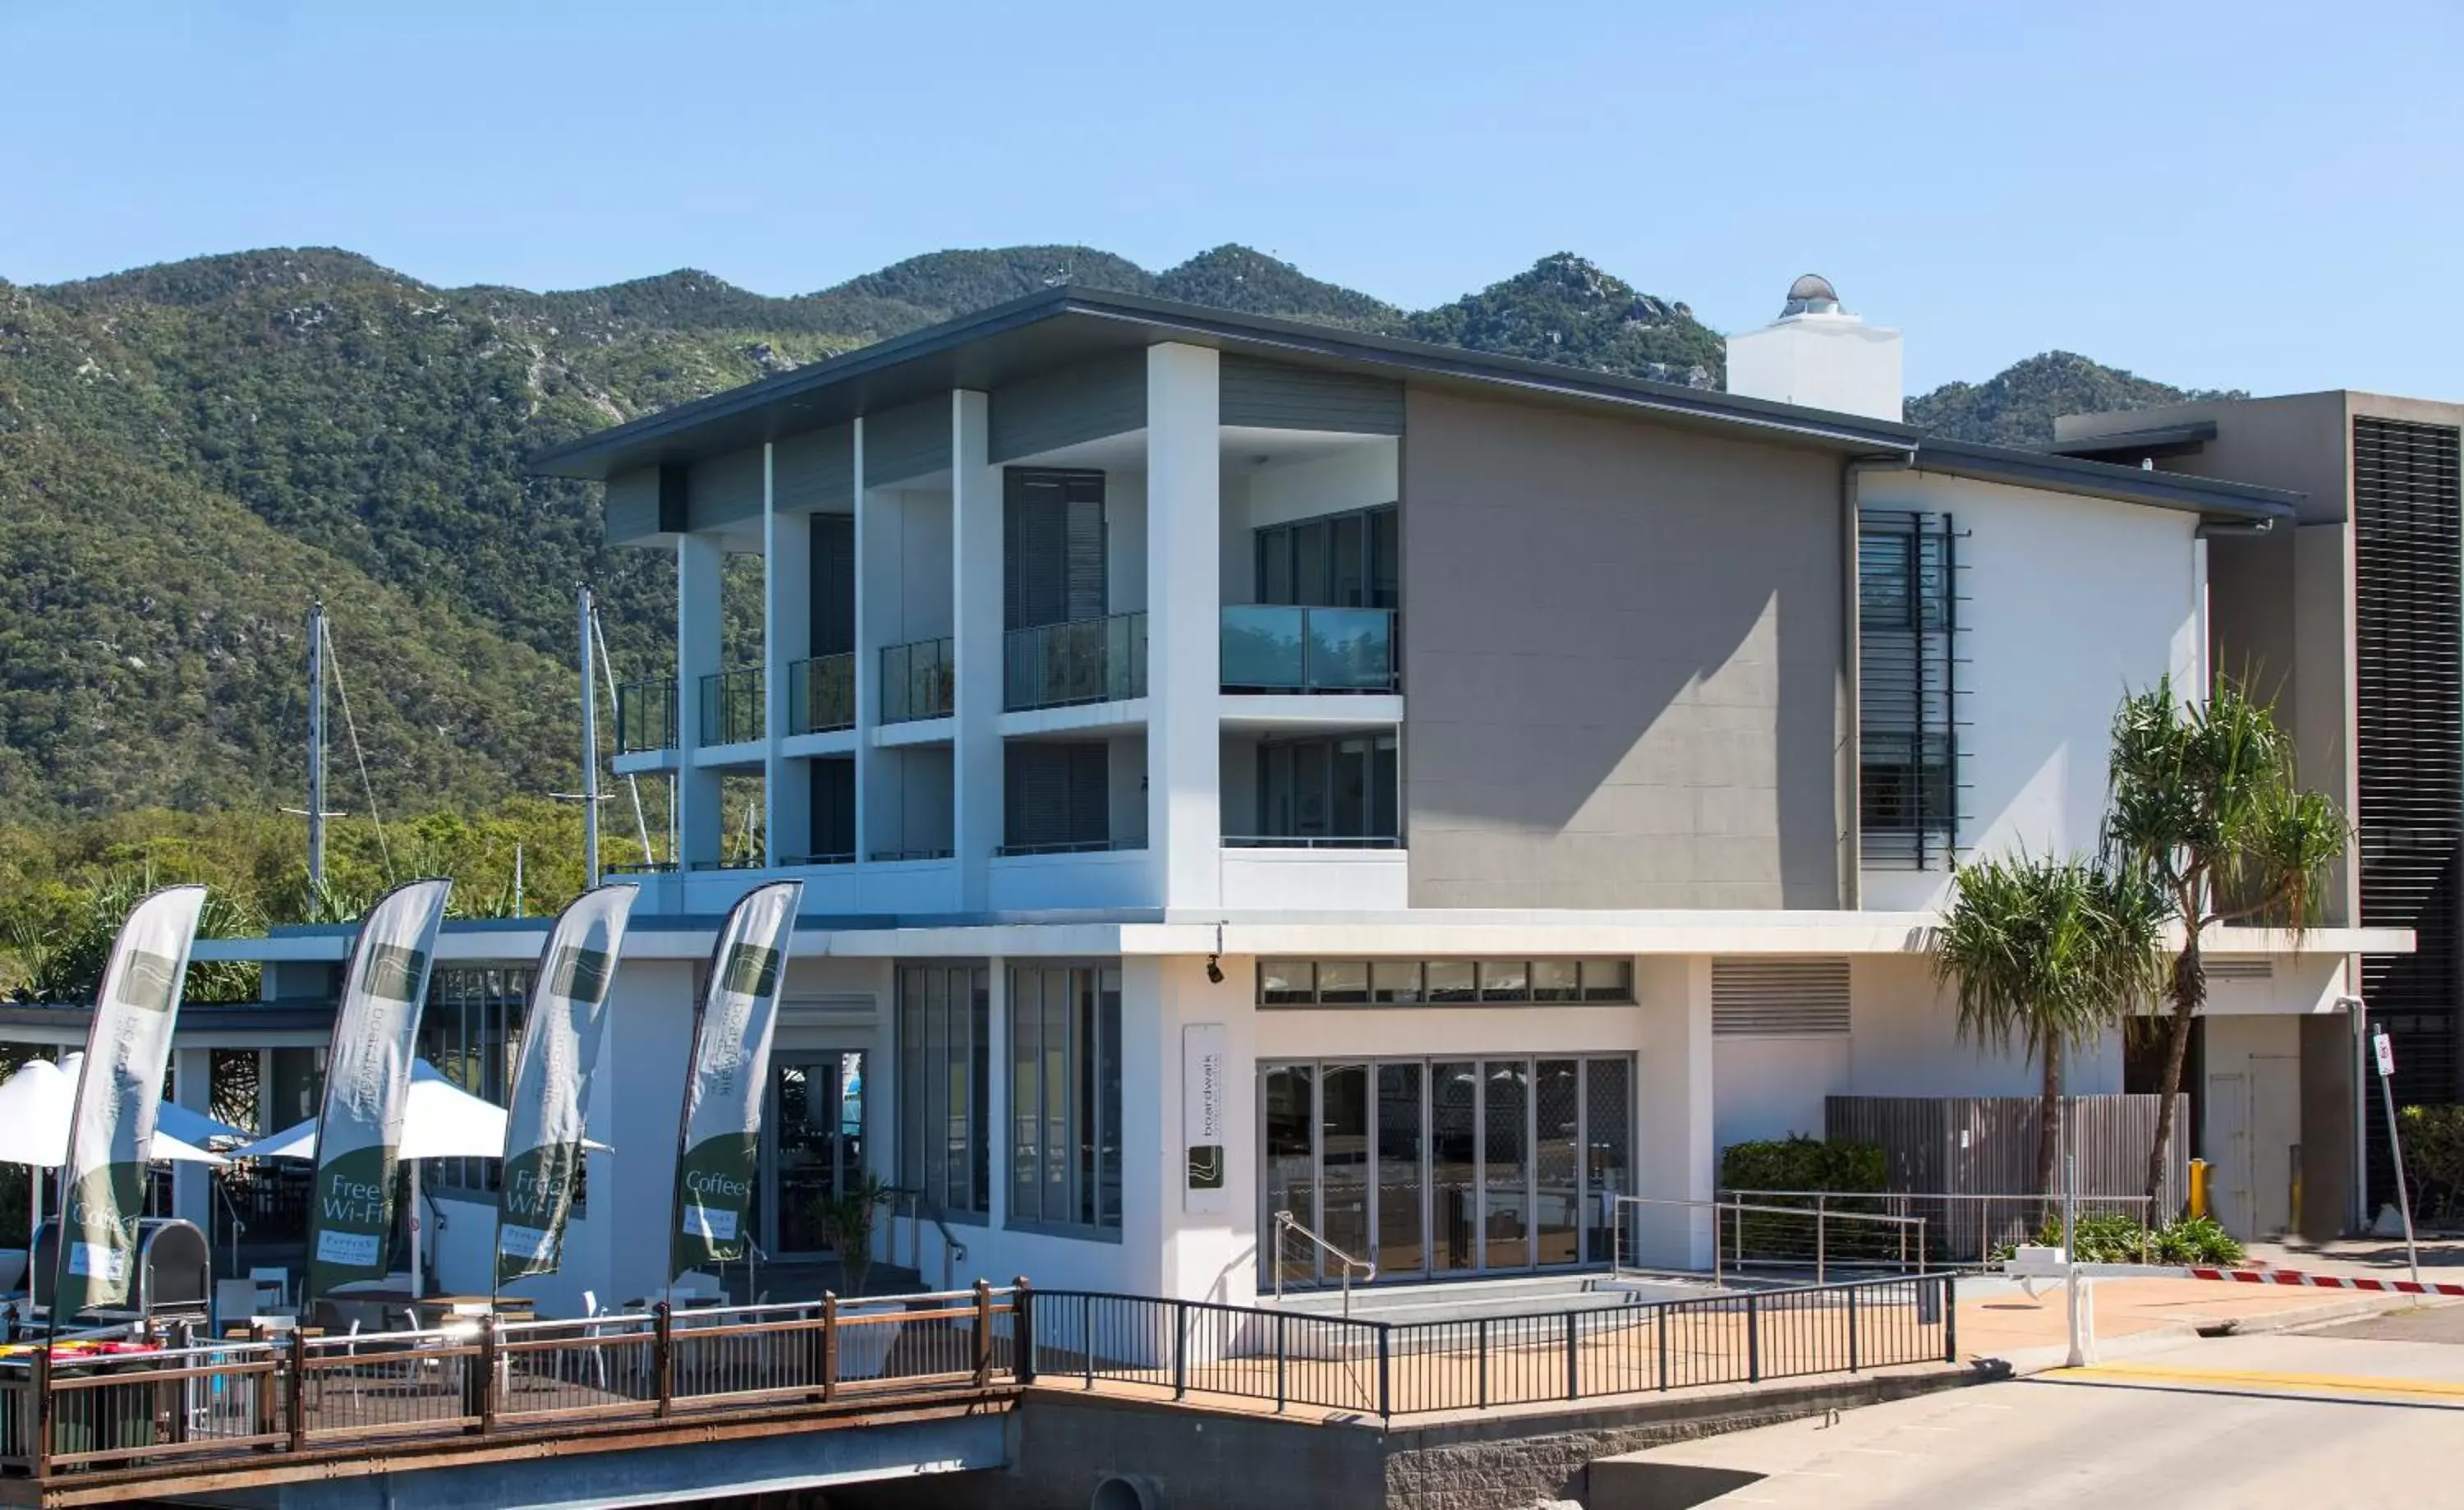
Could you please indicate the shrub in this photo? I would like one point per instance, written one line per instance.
(2433, 1157)
(1798, 1163)
(2110, 1238)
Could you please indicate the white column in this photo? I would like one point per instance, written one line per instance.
(975, 613)
(870, 597)
(1184, 625)
(192, 1184)
(787, 638)
(699, 822)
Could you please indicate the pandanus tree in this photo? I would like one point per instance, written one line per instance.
(2206, 810)
(2046, 955)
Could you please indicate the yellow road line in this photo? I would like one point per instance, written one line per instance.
(2260, 1379)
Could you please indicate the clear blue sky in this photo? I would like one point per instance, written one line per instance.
(2247, 192)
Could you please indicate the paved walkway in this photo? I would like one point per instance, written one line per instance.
(2319, 1421)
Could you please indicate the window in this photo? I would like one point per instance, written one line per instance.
(1057, 796)
(943, 1085)
(1337, 561)
(1340, 792)
(1908, 686)
(1053, 546)
(1405, 983)
(471, 1030)
(1065, 1154)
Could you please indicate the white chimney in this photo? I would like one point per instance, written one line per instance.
(1819, 355)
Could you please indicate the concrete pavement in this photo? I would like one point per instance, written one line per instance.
(2370, 1413)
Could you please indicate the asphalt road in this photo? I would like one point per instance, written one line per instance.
(2368, 1414)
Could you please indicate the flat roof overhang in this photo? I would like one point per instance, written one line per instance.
(1339, 934)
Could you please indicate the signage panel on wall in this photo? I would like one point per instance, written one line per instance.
(1205, 1065)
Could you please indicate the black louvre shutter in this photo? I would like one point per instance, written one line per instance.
(833, 563)
(1053, 556)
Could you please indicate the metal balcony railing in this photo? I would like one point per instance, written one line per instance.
(1089, 661)
(920, 679)
(820, 693)
(645, 714)
(730, 706)
(1276, 648)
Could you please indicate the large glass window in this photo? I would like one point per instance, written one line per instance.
(1329, 791)
(1065, 1154)
(943, 1090)
(1336, 560)
(471, 1030)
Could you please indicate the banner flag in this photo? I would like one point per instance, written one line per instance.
(367, 1086)
(560, 1054)
(127, 1050)
(730, 1069)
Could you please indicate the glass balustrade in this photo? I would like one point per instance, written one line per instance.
(645, 714)
(1279, 647)
(918, 680)
(730, 706)
(820, 693)
(1089, 661)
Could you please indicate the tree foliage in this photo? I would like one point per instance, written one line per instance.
(2205, 808)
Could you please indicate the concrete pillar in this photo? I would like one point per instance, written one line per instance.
(1676, 1149)
(976, 610)
(1184, 625)
(1205, 1256)
(192, 1185)
(699, 823)
(787, 638)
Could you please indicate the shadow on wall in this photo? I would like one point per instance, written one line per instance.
(1623, 653)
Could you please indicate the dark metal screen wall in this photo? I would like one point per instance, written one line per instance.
(1907, 771)
(2410, 697)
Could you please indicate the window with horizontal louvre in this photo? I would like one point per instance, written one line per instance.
(1053, 568)
(1907, 782)
(1779, 998)
(2408, 698)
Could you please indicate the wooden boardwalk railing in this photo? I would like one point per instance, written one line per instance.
(78, 1408)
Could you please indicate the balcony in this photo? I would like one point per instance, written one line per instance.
(1091, 661)
(1276, 648)
(730, 706)
(920, 679)
(645, 714)
(820, 693)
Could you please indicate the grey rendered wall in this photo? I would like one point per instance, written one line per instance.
(817, 470)
(910, 441)
(1621, 661)
(1107, 397)
(1272, 395)
(633, 506)
(726, 490)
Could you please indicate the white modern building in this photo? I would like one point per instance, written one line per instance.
(1240, 766)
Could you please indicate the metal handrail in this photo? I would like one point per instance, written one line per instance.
(1722, 1209)
(921, 1207)
(1287, 1222)
(1955, 1225)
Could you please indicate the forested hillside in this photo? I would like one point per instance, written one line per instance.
(190, 454)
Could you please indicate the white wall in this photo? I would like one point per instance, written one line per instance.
(2066, 604)
(2250, 1106)
(1825, 361)
(1050, 882)
(1775, 1087)
(1305, 880)
(1903, 1040)
(913, 529)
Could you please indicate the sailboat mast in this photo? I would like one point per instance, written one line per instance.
(316, 746)
(589, 748)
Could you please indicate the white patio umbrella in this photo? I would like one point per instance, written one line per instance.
(37, 1105)
(442, 1122)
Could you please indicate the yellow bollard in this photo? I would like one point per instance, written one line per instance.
(2198, 1188)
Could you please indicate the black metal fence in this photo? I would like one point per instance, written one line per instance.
(1389, 1368)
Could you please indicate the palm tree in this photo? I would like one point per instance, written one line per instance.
(2046, 954)
(2205, 810)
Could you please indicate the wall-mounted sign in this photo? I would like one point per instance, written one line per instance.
(1204, 1115)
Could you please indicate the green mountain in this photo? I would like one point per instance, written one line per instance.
(2017, 406)
(190, 453)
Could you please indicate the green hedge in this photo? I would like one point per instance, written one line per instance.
(1798, 1163)
(2433, 1158)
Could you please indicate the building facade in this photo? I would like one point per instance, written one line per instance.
(1241, 767)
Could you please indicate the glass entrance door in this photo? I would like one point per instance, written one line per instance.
(1498, 1164)
(814, 1147)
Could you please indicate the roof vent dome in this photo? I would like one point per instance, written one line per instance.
(1811, 294)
